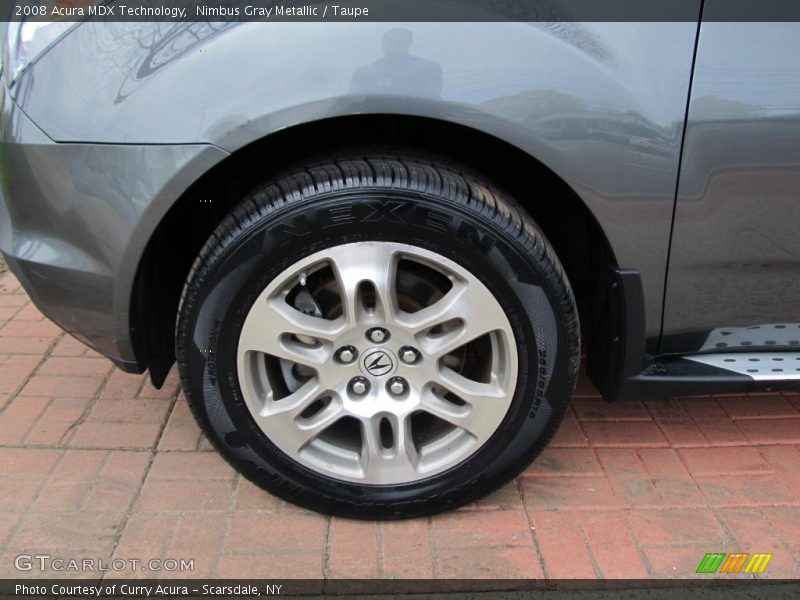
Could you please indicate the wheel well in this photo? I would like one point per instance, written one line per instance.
(576, 236)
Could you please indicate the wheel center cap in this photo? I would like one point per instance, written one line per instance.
(378, 362)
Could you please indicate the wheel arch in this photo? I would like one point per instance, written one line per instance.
(578, 238)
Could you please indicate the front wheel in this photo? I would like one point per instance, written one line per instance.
(378, 336)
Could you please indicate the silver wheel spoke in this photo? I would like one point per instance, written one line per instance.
(467, 389)
(301, 433)
(293, 404)
(400, 460)
(271, 325)
(375, 265)
(481, 402)
(435, 314)
(295, 431)
(469, 310)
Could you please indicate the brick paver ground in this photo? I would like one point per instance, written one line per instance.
(97, 463)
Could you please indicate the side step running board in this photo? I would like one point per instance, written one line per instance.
(759, 366)
(719, 373)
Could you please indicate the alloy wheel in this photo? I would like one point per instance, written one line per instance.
(377, 363)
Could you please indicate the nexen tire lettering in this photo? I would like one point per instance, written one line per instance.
(373, 212)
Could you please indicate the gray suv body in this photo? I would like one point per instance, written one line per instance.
(660, 162)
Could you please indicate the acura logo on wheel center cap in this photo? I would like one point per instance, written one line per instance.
(377, 363)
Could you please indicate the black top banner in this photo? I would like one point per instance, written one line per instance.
(401, 10)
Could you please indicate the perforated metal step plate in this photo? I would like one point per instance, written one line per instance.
(760, 366)
(748, 338)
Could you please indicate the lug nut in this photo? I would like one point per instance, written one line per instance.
(408, 355)
(359, 386)
(397, 386)
(346, 354)
(377, 335)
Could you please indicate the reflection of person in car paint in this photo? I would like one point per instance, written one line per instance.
(398, 71)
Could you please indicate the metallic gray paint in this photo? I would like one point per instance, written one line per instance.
(735, 260)
(76, 219)
(600, 104)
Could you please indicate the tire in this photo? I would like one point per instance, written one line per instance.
(264, 291)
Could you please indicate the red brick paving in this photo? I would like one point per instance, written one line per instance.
(562, 544)
(95, 462)
(354, 549)
(400, 540)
